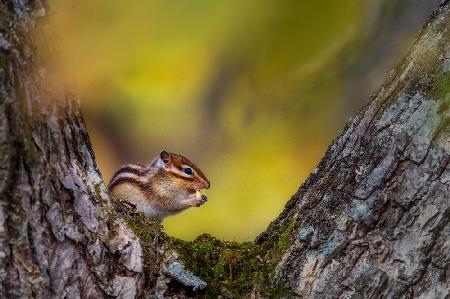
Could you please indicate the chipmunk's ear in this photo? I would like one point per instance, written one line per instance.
(166, 159)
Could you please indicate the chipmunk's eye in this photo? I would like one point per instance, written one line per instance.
(187, 170)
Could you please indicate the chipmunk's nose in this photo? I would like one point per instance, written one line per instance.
(205, 185)
(201, 185)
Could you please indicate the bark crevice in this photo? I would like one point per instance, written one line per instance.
(372, 220)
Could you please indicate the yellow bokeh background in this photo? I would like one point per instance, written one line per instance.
(251, 91)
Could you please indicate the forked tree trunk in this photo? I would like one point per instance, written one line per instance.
(371, 221)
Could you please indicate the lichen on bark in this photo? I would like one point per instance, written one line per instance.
(371, 221)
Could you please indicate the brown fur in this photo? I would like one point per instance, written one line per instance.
(179, 160)
(164, 191)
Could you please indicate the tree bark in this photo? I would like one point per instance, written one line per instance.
(56, 235)
(371, 221)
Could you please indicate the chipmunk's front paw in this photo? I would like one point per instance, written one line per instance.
(200, 200)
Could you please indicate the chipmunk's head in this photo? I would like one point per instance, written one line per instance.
(182, 171)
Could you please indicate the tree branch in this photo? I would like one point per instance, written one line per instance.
(371, 221)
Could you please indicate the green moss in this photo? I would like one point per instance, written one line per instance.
(227, 267)
(98, 195)
(441, 89)
(441, 93)
(286, 231)
(235, 268)
(144, 227)
(112, 224)
(30, 150)
(150, 233)
(97, 192)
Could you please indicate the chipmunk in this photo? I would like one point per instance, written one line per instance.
(166, 186)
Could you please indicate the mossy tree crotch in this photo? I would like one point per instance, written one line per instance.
(372, 220)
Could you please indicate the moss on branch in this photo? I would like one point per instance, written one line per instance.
(230, 269)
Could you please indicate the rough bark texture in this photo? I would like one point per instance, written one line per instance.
(371, 221)
(55, 234)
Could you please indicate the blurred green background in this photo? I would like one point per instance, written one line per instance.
(251, 91)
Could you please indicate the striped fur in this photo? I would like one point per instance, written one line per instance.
(131, 173)
(160, 188)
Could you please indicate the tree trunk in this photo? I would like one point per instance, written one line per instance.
(371, 221)
(56, 238)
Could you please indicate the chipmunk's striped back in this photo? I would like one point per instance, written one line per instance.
(130, 173)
